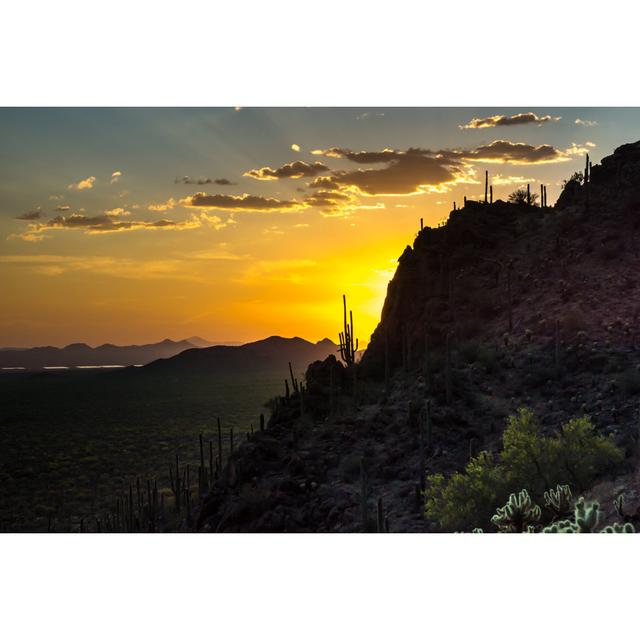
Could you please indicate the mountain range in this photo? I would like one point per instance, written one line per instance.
(80, 354)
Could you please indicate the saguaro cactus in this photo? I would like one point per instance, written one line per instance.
(364, 496)
(486, 186)
(556, 353)
(587, 181)
(447, 370)
(348, 347)
(387, 364)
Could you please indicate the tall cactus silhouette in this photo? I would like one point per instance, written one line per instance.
(348, 348)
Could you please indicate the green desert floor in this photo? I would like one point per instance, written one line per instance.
(71, 441)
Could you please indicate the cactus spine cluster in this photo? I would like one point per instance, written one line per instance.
(518, 515)
(559, 501)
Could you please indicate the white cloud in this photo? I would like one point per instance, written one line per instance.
(162, 206)
(586, 123)
(115, 176)
(579, 150)
(87, 183)
(296, 147)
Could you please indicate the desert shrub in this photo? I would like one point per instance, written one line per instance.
(519, 196)
(466, 498)
(573, 456)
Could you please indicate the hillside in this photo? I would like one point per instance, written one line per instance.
(502, 307)
(269, 355)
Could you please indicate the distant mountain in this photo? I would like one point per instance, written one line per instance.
(80, 354)
(269, 355)
(199, 342)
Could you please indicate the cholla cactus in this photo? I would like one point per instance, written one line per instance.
(518, 515)
(563, 526)
(587, 516)
(559, 501)
(616, 527)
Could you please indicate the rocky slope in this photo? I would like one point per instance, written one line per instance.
(539, 308)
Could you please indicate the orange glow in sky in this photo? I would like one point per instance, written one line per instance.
(134, 225)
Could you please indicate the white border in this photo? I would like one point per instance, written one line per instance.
(321, 54)
(335, 52)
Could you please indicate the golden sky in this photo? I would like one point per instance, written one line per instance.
(134, 225)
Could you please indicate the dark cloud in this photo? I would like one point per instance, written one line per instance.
(505, 121)
(515, 153)
(108, 223)
(244, 202)
(416, 169)
(298, 169)
(219, 181)
(329, 199)
(35, 214)
(405, 171)
(364, 157)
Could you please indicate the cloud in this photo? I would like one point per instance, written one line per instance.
(34, 214)
(580, 150)
(505, 121)
(504, 151)
(298, 169)
(367, 157)
(162, 206)
(586, 123)
(367, 115)
(245, 202)
(62, 208)
(118, 211)
(27, 236)
(115, 176)
(295, 147)
(499, 179)
(417, 170)
(332, 202)
(109, 223)
(87, 183)
(406, 172)
(55, 197)
(201, 181)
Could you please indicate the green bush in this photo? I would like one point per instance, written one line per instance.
(573, 456)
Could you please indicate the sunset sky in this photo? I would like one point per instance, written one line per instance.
(134, 225)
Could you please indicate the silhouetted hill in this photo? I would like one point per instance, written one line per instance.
(575, 264)
(504, 306)
(272, 354)
(80, 354)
